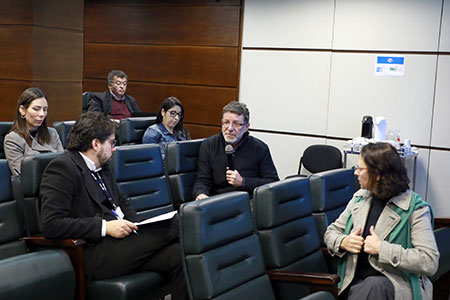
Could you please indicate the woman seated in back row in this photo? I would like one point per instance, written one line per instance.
(29, 134)
(384, 238)
(169, 125)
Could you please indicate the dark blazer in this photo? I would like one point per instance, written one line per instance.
(71, 203)
(102, 102)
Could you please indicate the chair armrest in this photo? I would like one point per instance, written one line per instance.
(41, 241)
(441, 222)
(74, 248)
(315, 281)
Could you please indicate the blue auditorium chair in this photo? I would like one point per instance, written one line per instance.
(46, 274)
(289, 237)
(330, 192)
(222, 256)
(4, 130)
(139, 173)
(132, 129)
(63, 128)
(181, 169)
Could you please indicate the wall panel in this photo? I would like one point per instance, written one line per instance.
(186, 65)
(16, 12)
(288, 23)
(58, 55)
(16, 52)
(64, 100)
(176, 25)
(441, 120)
(390, 25)
(10, 91)
(286, 90)
(406, 102)
(445, 31)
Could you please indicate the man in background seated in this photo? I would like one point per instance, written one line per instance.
(114, 102)
(247, 165)
(80, 199)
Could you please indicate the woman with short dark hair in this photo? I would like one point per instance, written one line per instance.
(169, 125)
(29, 134)
(384, 238)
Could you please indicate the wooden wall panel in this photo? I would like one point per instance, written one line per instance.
(16, 52)
(186, 48)
(202, 104)
(64, 100)
(66, 14)
(215, 66)
(16, 12)
(58, 55)
(10, 91)
(202, 131)
(175, 25)
(140, 3)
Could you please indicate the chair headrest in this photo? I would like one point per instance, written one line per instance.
(218, 220)
(281, 202)
(182, 156)
(331, 189)
(134, 162)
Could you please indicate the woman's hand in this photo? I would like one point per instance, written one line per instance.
(353, 242)
(372, 243)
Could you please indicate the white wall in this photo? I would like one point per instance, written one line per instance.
(310, 71)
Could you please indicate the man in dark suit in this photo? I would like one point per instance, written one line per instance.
(79, 198)
(114, 102)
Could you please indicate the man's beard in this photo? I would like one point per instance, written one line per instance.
(103, 158)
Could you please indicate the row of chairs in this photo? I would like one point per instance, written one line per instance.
(149, 186)
(152, 189)
(130, 129)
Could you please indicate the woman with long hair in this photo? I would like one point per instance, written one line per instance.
(29, 134)
(384, 238)
(169, 125)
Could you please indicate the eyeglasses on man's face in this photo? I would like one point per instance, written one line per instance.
(113, 142)
(236, 125)
(173, 114)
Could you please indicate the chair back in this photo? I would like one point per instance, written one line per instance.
(319, 158)
(181, 168)
(287, 231)
(131, 130)
(4, 130)
(63, 128)
(331, 191)
(139, 173)
(85, 98)
(39, 275)
(10, 228)
(221, 251)
(31, 174)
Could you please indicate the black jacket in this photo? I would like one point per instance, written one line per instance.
(252, 160)
(71, 203)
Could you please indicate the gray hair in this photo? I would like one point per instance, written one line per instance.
(238, 108)
(118, 73)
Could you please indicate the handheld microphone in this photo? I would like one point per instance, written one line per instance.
(229, 150)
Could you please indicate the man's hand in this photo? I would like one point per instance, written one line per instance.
(234, 178)
(353, 242)
(119, 228)
(201, 196)
(372, 243)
